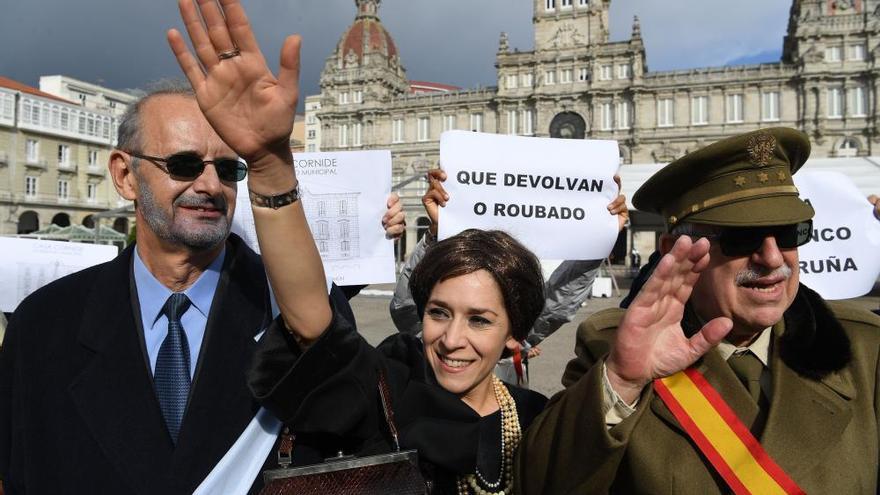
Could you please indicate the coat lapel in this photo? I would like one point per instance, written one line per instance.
(807, 417)
(221, 405)
(114, 391)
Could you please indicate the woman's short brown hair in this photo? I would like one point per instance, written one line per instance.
(515, 269)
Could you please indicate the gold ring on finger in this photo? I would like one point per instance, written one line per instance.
(229, 54)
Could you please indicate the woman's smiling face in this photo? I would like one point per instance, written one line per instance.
(465, 329)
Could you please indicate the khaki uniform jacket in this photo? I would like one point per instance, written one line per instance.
(822, 427)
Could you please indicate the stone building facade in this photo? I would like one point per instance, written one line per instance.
(576, 83)
(53, 161)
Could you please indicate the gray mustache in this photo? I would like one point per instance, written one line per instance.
(218, 202)
(751, 275)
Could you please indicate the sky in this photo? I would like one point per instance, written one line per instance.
(121, 43)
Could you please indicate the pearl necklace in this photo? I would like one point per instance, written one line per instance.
(510, 436)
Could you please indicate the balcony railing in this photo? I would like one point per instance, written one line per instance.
(67, 167)
(34, 162)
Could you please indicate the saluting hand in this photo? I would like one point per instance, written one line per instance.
(248, 107)
(650, 342)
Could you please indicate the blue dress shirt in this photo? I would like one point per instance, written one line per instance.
(152, 296)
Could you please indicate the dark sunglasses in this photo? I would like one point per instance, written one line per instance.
(736, 241)
(188, 166)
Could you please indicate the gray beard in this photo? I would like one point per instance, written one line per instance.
(164, 227)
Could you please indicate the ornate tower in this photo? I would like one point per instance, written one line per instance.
(570, 23)
(359, 78)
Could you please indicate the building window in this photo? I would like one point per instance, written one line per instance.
(856, 52)
(321, 231)
(32, 150)
(549, 5)
(734, 108)
(605, 72)
(583, 74)
(583, 3)
(359, 96)
(565, 76)
(344, 229)
(857, 101)
(566, 4)
(63, 190)
(448, 122)
(699, 110)
(397, 131)
(356, 134)
(624, 114)
(511, 81)
(310, 148)
(343, 98)
(322, 209)
(665, 112)
(311, 119)
(770, 106)
(835, 103)
(312, 134)
(345, 246)
(91, 191)
(833, 53)
(550, 77)
(343, 136)
(30, 186)
(528, 122)
(424, 128)
(343, 207)
(527, 80)
(511, 121)
(623, 71)
(93, 158)
(63, 155)
(477, 122)
(607, 117)
(849, 147)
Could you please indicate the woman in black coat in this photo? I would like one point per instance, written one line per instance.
(479, 293)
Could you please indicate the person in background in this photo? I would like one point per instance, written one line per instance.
(566, 290)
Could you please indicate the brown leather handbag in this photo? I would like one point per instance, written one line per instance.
(397, 472)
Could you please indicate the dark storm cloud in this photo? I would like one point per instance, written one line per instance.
(121, 43)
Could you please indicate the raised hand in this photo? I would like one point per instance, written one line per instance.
(394, 220)
(248, 107)
(435, 197)
(650, 342)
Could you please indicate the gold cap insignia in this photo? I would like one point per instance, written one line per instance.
(739, 181)
(761, 147)
(673, 219)
(763, 177)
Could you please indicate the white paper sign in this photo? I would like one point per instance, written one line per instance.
(344, 196)
(842, 260)
(29, 264)
(551, 194)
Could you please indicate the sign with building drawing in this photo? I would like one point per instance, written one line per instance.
(344, 196)
(29, 264)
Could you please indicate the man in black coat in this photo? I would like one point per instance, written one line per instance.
(80, 406)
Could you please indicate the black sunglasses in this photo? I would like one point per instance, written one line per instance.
(743, 241)
(188, 166)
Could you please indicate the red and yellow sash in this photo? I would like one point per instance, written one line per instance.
(731, 449)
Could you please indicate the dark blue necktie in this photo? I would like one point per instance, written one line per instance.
(172, 366)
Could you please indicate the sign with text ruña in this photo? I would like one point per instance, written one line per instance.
(551, 194)
(841, 260)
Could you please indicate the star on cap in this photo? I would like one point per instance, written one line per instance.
(740, 181)
(763, 177)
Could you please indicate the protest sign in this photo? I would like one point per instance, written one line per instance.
(29, 264)
(344, 196)
(841, 260)
(551, 194)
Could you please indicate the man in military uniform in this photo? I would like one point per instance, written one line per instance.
(797, 373)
